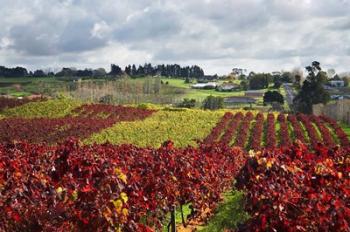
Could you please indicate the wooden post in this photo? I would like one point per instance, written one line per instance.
(173, 220)
(182, 216)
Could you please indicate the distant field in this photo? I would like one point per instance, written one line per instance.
(199, 93)
(120, 91)
(20, 87)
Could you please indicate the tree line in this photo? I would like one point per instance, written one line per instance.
(170, 70)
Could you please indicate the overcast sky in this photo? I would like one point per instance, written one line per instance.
(260, 35)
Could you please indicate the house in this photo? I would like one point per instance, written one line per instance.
(226, 87)
(254, 93)
(239, 100)
(35, 96)
(276, 73)
(336, 83)
(208, 85)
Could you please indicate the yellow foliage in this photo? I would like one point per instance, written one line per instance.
(125, 212)
(120, 175)
(124, 197)
(54, 108)
(182, 127)
(118, 205)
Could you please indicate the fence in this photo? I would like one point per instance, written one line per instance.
(340, 110)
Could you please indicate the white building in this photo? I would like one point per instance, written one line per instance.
(209, 85)
(336, 83)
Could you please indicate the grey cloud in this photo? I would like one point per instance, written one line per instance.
(77, 37)
(149, 24)
(260, 32)
(33, 40)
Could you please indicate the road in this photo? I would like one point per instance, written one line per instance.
(289, 94)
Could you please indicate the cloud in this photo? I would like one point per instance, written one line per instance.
(264, 35)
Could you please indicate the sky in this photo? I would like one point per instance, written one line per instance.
(218, 35)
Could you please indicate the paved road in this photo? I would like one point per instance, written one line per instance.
(289, 94)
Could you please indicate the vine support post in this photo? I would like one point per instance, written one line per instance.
(173, 220)
(182, 216)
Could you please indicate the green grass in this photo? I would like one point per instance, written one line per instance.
(178, 218)
(199, 93)
(229, 214)
(30, 85)
(346, 128)
(24, 79)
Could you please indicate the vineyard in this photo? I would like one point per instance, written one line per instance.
(71, 166)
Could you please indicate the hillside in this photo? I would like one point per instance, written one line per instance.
(129, 168)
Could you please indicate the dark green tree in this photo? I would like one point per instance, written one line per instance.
(39, 73)
(187, 103)
(312, 91)
(273, 96)
(213, 103)
(115, 70)
(244, 85)
(259, 80)
(286, 77)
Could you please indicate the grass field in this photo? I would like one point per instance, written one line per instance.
(21, 87)
(199, 93)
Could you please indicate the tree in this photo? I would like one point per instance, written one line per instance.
(100, 72)
(259, 80)
(287, 77)
(84, 73)
(13, 72)
(133, 70)
(273, 96)
(66, 72)
(297, 81)
(39, 73)
(244, 85)
(213, 103)
(115, 70)
(187, 103)
(187, 80)
(312, 91)
(346, 81)
(277, 85)
(336, 77)
(128, 69)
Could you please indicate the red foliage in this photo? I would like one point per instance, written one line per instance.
(342, 136)
(218, 129)
(255, 141)
(311, 131)
(111, 112)
(6, 103)
(284, 132)
(72, 187)
(294, 190)
(270, 131)
(49, 130)
(326, 135)
(57, 188)
(243, 133)
(231, 129)
(298, 131)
